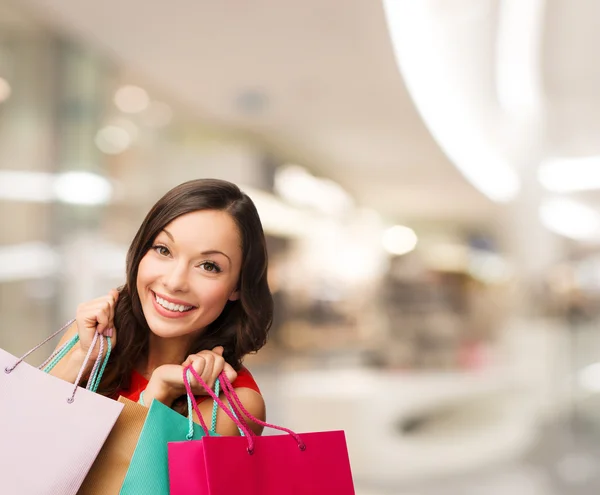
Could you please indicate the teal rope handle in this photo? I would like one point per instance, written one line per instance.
(190, 433)
(233, 411)
(62, 352)
(59, 354)
(213, 425)
(96, 378)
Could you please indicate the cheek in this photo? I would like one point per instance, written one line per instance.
(146, 273)
(216, 295)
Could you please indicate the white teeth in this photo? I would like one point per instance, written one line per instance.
(171, 306)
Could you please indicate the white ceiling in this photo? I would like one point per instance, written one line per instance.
(335, 99)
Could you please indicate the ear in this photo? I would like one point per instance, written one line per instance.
(235, 295)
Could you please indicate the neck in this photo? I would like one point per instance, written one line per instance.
(165, 351)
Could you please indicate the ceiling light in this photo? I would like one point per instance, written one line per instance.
(518, 56)
(278, 217)
(34, 260)
(26, 186)
(399, 240)
(113, 139)
(82, 188)
(440, 92)
(128, 126)
(570, 219)
(297, 186)
(570, 174)
(131, 99)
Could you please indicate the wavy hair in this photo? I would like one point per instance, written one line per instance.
(242, 326)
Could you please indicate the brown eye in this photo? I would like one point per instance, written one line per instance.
(210, 267)
(162, 250)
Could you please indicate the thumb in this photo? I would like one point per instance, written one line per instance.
(230, 373)
(218, 350)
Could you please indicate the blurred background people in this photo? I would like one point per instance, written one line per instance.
(427, 174)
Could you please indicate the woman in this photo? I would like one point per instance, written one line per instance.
(196, 293)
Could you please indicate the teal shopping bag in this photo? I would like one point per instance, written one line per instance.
(148, 471)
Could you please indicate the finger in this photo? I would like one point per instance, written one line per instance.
(230, 373)
(108, 306)
(198, 364)
(105, 316)
(103, 321)
(114, 294)
(203, 366)
(218, 366)
(218, 350)
(209, 366)
(188, 361)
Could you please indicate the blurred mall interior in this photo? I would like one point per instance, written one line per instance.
(428, 176)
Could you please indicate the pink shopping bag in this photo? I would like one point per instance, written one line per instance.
(291, 464)
(50, 430)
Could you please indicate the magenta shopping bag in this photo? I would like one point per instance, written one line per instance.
(291, 464)
(50, 430)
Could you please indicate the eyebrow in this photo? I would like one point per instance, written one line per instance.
(204, 253)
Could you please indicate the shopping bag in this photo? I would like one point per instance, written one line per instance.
(110, 467)
(148, 471)
(50, 430)
(291, 464)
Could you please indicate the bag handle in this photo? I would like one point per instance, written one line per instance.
(9, 370)
(215, 409)
(62, 351)
(96, 374)
(240, 424)
(232, 397)
(213, 425)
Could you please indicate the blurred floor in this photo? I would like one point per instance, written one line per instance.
(564, 457)
(562, 463)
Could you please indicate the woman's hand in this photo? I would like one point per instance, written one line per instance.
(166, 383)
(96, 316)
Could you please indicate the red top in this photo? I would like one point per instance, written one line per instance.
(139, 383)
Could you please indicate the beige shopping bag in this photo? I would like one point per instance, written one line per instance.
(108, 472)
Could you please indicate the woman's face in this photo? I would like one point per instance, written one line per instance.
(189, 274)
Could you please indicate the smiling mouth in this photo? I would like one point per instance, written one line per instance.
(169, 306)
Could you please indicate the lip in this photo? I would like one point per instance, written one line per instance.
(171, 300)
(168, 313)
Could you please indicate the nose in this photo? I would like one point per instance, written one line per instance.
(176, 279)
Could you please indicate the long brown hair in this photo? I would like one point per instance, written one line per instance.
(242, 326)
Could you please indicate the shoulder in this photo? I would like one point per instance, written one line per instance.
(251, 398)
(254, 404)
(245, 380)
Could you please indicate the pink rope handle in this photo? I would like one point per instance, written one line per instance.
(240, 424)
(191, 396)
(234, 407)
(229, 392)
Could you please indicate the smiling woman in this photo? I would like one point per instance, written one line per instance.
(198, 256)
(196, 294)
